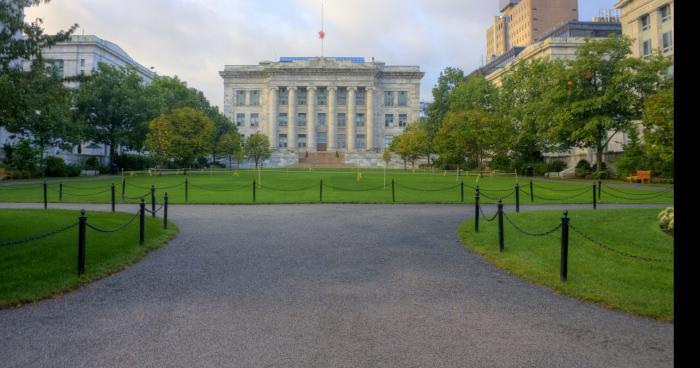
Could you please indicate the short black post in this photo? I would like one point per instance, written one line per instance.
(461, 195)
(253, 190)
(153, 201)
(393, 196)
(46, 199)
(517, 197)
(564, 246)
(320, 192)
(165, 211)
(123, 187)
(532, 192)
(500, 225)
(600, 187)
(594, 196)
(60, 192)
(476, 210)
(112, 197)
(187, 187)
(142, 221)
(82, 221)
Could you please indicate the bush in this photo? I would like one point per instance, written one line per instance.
(54, 166)
(129, 162)
(666, 219)
(583, 169)
(539, 169)
(501, 162)
(556, 166)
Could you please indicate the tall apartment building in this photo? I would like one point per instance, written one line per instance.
(649, 23)
(522, 21)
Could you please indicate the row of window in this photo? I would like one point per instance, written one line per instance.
(666, 44)
(664, 14)
(340, 141)
(282, 120)
(391, 98)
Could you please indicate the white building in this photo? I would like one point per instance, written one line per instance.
(317, 104)
(81, 55)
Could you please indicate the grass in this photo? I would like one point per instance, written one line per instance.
(594, 274)
(303, 186)
(48, 267)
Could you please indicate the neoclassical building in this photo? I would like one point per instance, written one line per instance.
(321, 104)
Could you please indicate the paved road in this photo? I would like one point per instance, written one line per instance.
(323, 286)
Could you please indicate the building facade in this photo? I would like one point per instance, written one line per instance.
(649, 23)
(318, 104)
(522, 21)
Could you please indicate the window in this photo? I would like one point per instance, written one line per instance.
(282, 141)
(665, 13)
(403, 120)
(403, 98)
(255, 97)
(667, 41)
(321, 118)
(645, 22)
(360, 97)
(341, 97)
(340, 141)
(282, 119)
(58, 65)
(646, 48)
(242, 139)
(240, 98)
(301, 119)
(240, 120)
(321, 98)
(341, 120)
(388, 98)
(283, 96)
(360, 141)
(301, 140)
(360, 120)
(301, 96)
(254, 120)
(389, 120)
(387, 140)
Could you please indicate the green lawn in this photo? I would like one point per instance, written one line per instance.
(47, 267)
(595, 274)
(303, 186)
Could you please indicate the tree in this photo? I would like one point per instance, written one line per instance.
(658, 125)
(601, 92)
(257, 148)
(447, 81)
(112, 106)
(181, 135)
(473, 93)
(230, 145)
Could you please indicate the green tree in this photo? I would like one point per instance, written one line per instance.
(230, 144)
(472, 93)
(257, 148)
(181, 135)
(658, 125)
(601, 92)
(447, 81)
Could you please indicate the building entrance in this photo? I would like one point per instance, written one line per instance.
(321, 141)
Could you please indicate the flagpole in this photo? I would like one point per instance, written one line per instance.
(322, 29)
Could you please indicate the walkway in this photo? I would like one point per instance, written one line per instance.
(322, 286)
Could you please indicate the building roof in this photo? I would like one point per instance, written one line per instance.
(112, 47)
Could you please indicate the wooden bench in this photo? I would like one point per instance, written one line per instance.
(5, 174)
(641, 176)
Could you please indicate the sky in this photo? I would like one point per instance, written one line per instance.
(194, 39)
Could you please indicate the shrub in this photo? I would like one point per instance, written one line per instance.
(665, 218)
(501, 162)
(556, 166)
(54, 166)
(583, 169)
(129, 162)
(540, 168)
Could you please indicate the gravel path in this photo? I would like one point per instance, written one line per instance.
(322, 286)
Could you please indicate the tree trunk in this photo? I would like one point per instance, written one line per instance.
(599, 158)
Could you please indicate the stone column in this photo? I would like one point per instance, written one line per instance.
(330, 119)
(350, 124)
(311, 119)
(369, 117)
(292, 119)
(272, 120)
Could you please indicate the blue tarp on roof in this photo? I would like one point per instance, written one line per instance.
(289, 59)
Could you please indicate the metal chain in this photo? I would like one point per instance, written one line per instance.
(666, 190)
(650, 196)
(426, 190)
(81, 194)
(139, 197)
(485, 217)
(562, 199)
(233, 189)
(495, 199)
(556, 190)
(116, 228)
(352, 189)
(287, 190)
(544, 233)
(38, 237)
(616, 251)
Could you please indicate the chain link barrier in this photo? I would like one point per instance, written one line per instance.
(584, 191)
(557, 190)
(495, 199)
(544, 233)
(426, 190)
(646, 195)
(285, 189)
(617, 251)
(352, 189)
(232, 189)
(40, 236)
(113, 230)
(483, 215)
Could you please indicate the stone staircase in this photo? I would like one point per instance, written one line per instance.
(322, 159)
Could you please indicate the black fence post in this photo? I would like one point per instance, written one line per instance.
(600, 187)
(253, 190)
(142, 221)
(46, 199)
(186, 189)
(461, 195)
(320, 191)
(82, 221)
(60, 192)
(393, 196)
(476, 210)
(112, 197)
(123, 187)
(564, 246)
(500, 225)
(594, 196)
(165, 211)
(532, 192)
(517, 197)
(153, 200)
